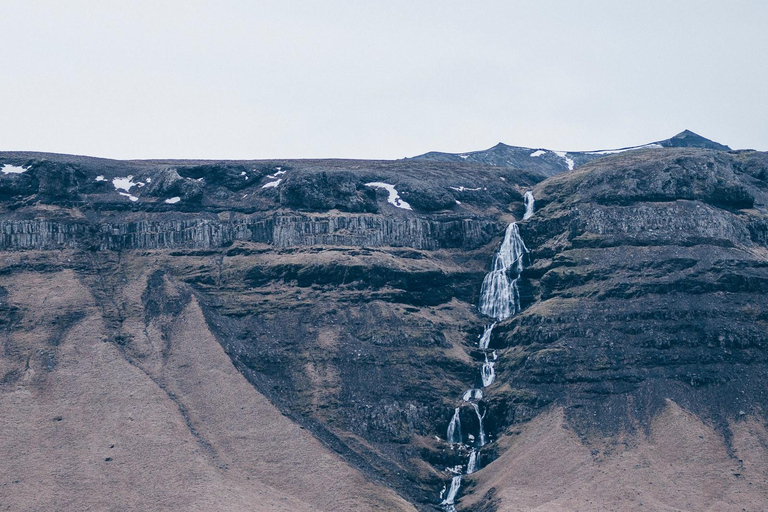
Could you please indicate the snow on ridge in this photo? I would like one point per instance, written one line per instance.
(272, 184)
(538, 152)
(463, 156)
(622, 150)
(13, 169)
(394, 197)
(564, 156)
(173, 200)
(463, 188)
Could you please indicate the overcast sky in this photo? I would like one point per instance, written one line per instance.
(377, 79)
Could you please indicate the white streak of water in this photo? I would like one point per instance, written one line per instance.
(499, 297)
(488, 373)
(452, 492)
(481, 430)
(529, 201)
(472, 394)
(485, 339)
(472, 464)
(453, 435)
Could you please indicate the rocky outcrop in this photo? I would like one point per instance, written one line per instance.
(280, 231)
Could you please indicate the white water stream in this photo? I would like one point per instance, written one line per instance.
(499, 299)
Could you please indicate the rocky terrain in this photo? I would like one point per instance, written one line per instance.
(291, 335)
(550, 162)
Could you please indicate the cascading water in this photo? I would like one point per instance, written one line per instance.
(485, 339)
(499, 299)
(453, 435)
(449, 500)
(472, 394)
(481, 430)
(528, 198)
(488, 374)
(472, 463)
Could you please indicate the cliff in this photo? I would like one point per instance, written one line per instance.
(356, 318)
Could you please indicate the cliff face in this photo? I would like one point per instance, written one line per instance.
(356, 317)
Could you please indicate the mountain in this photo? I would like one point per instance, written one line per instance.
(549, 162)
(302, 334)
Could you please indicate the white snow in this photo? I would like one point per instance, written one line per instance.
(277, 173)
(123, 183)
(242, 173)
(538, 152)
(173, 200)
(457, 201)
(149, 180)
(394, 197)
(272, 184)
(13, 169)
(462, 189)
(564, 156)
(101, 178)
(129, 196)
(463, 156)
(622, 150)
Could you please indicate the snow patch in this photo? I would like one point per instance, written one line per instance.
(101, 178)
(538, 152)
(272, 184)
(123, 183)
(394, 197)
(129, 196)
(463, 156)
(173, 200)
(564, 156)
(622, 150)
(463, 189)
(13, 169)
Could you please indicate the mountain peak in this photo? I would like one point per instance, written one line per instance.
(689, 139)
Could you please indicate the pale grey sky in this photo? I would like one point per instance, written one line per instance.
(376, 79)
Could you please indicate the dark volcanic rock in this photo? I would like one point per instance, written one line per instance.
(647, 280)
(649, 277)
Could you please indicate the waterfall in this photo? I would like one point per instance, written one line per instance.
(452, 492)
(528, 198)
(488, 373)
(485, 339)
(472, 394)
(481, 430)
(499, 297)
(472, 464)
(453, 435)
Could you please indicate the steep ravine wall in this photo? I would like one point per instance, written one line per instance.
(278, 230)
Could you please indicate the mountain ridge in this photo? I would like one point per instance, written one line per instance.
(550, 162)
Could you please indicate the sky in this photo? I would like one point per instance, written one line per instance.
(376, 79)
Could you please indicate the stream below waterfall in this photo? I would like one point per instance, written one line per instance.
(499, 299)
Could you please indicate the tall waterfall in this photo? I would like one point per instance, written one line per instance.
(499, 297)
(528, 198)
(453, 435)
(481, 430)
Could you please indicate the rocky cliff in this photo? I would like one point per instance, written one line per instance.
(344, 293)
